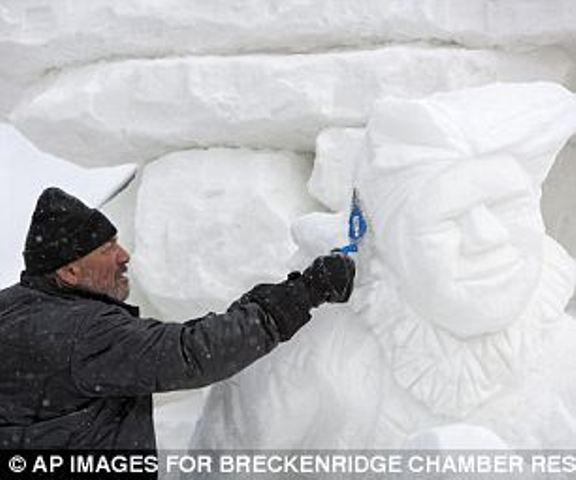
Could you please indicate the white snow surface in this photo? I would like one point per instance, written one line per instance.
(105, 28)
(337, 152)
(24, 173)
(138, 110)
(458, 312)
(210, 224)
(457, 436)
(41, 35)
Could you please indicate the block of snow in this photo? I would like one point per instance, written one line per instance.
(338, 151)
(210, 224)
(458, 313)
(137, 110)
(24, 173)
(41, 35)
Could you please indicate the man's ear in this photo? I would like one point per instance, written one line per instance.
(69, 274)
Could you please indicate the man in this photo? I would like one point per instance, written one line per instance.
(78, 366)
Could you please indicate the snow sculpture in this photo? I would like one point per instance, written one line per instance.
(459, 310)
(24, 173)
(454, 189)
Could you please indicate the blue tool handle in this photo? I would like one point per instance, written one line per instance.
(350, 248)
(356, 226)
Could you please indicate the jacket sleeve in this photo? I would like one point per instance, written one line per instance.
(116, 354)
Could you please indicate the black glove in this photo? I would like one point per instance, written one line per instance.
(329, 279)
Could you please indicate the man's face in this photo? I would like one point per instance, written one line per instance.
(102, 271)
(469, 246)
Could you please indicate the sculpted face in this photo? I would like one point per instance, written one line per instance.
(468, 246)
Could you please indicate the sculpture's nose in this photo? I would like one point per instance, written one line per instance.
(482, 230)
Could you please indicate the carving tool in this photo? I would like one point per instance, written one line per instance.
(357, 225)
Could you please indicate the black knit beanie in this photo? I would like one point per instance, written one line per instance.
(62, 230)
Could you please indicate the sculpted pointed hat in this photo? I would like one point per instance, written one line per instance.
(530, 122)
(63, 229)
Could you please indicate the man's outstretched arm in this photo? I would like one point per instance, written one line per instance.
(119, 355)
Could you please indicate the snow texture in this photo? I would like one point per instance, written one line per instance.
(138, 110)
(24, 173)
(41, 35)
(333, 175)
(458, 314)
(211, 224)
(457, 436)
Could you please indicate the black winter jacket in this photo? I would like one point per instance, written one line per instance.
(77, 370)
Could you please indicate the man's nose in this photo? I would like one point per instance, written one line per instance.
(482, 230)
(123, 255)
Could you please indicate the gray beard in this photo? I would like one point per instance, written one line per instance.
(115, 295)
